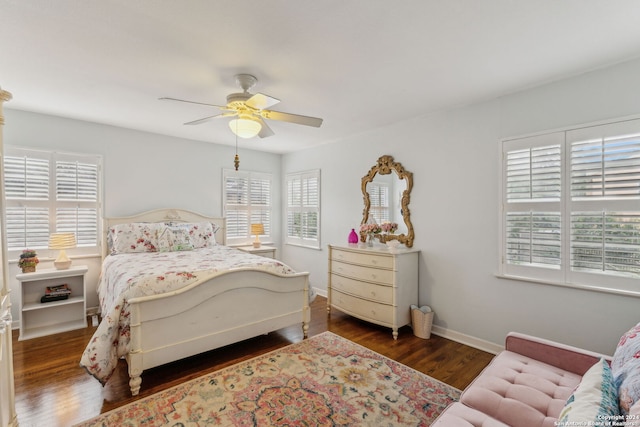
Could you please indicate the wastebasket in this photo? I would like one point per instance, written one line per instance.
(421, 320)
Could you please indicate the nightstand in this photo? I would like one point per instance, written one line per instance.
(265, 251)
(37, 318)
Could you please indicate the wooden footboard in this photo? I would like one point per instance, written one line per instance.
(209, 314)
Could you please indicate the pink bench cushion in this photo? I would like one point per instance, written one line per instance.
(459, 415)
(520, 391)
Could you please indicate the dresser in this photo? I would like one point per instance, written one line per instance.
(373, 284)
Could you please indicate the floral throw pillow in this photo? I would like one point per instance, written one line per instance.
(133, 237)
(626, 368)
(595, 398)
(201, 234)
(174, 238)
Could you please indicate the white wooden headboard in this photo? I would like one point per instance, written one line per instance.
(165, 215)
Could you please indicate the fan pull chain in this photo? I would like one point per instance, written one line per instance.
(236, 159)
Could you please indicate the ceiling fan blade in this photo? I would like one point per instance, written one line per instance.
(265, 131)
(217, 116)
(203, 120)
(291, 118)
(260, 101)
(191, 102)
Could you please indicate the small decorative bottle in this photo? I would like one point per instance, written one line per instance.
(353, 237)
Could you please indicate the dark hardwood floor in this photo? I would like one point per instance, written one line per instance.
(53, 390)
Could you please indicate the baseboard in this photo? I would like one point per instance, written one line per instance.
(321, 292)
(469, 340)
(474, 342)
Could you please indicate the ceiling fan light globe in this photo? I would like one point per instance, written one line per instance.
(245, 128)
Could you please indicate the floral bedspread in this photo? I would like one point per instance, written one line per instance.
(127, 276)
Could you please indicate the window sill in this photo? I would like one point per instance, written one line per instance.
(593, 288)
(315, 248)
(51, 259)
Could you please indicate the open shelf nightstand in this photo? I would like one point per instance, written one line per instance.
(37, 318)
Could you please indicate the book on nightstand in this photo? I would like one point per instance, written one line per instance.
(56, 293)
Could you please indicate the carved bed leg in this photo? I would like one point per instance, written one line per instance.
(134, 384)
(305, 329)
(134, 360)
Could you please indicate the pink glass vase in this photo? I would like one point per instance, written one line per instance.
(353, 236)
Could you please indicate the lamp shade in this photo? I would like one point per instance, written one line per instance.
(245, 127)
(62, 241)
(257, 229)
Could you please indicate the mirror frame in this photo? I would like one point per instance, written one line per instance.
(385, 166)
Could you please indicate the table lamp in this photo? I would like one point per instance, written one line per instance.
(257, 229)
(62, 241)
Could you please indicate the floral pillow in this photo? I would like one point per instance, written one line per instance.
(595, 398)
(625, 367)
(201, 234)
(174, 238)
(133, 237)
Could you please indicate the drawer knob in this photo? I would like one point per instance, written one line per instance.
(373, 294)
(373, 261)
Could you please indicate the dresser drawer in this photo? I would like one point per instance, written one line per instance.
(368, 259)
(380, 313)
(370, 291)
(362, 273)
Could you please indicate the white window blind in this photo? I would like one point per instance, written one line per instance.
(380, 204)
(50, 192)
(571, 206)
(303, 209)
(605, 199)
(247, 200)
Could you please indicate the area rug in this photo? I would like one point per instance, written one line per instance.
(325, 380)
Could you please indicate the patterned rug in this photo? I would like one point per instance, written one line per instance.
(325, 380)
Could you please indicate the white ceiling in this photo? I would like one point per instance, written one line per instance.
(357, 64)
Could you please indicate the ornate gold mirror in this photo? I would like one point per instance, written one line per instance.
(389, 186)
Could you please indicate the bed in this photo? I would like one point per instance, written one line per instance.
(169, 289)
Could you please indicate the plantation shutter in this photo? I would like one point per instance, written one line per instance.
(51, 192)
(247, 200)
(260, 194)
(303, 209)
(379, 199)
(532, 211)
(77, 200)
(571, 207)
(26, 178)
(605, 199)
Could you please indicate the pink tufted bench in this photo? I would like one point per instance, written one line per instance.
(526, 385)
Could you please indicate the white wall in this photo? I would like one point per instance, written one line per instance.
(142, 171)
(454, 158)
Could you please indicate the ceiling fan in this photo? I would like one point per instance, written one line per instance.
(250, 111)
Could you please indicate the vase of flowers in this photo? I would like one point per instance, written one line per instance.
(388, 227)
(370, 230)
(28, 261)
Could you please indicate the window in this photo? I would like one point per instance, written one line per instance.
(379, 199)
(571, 207)
(50, 192)
(247, 200)
(303, 209)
